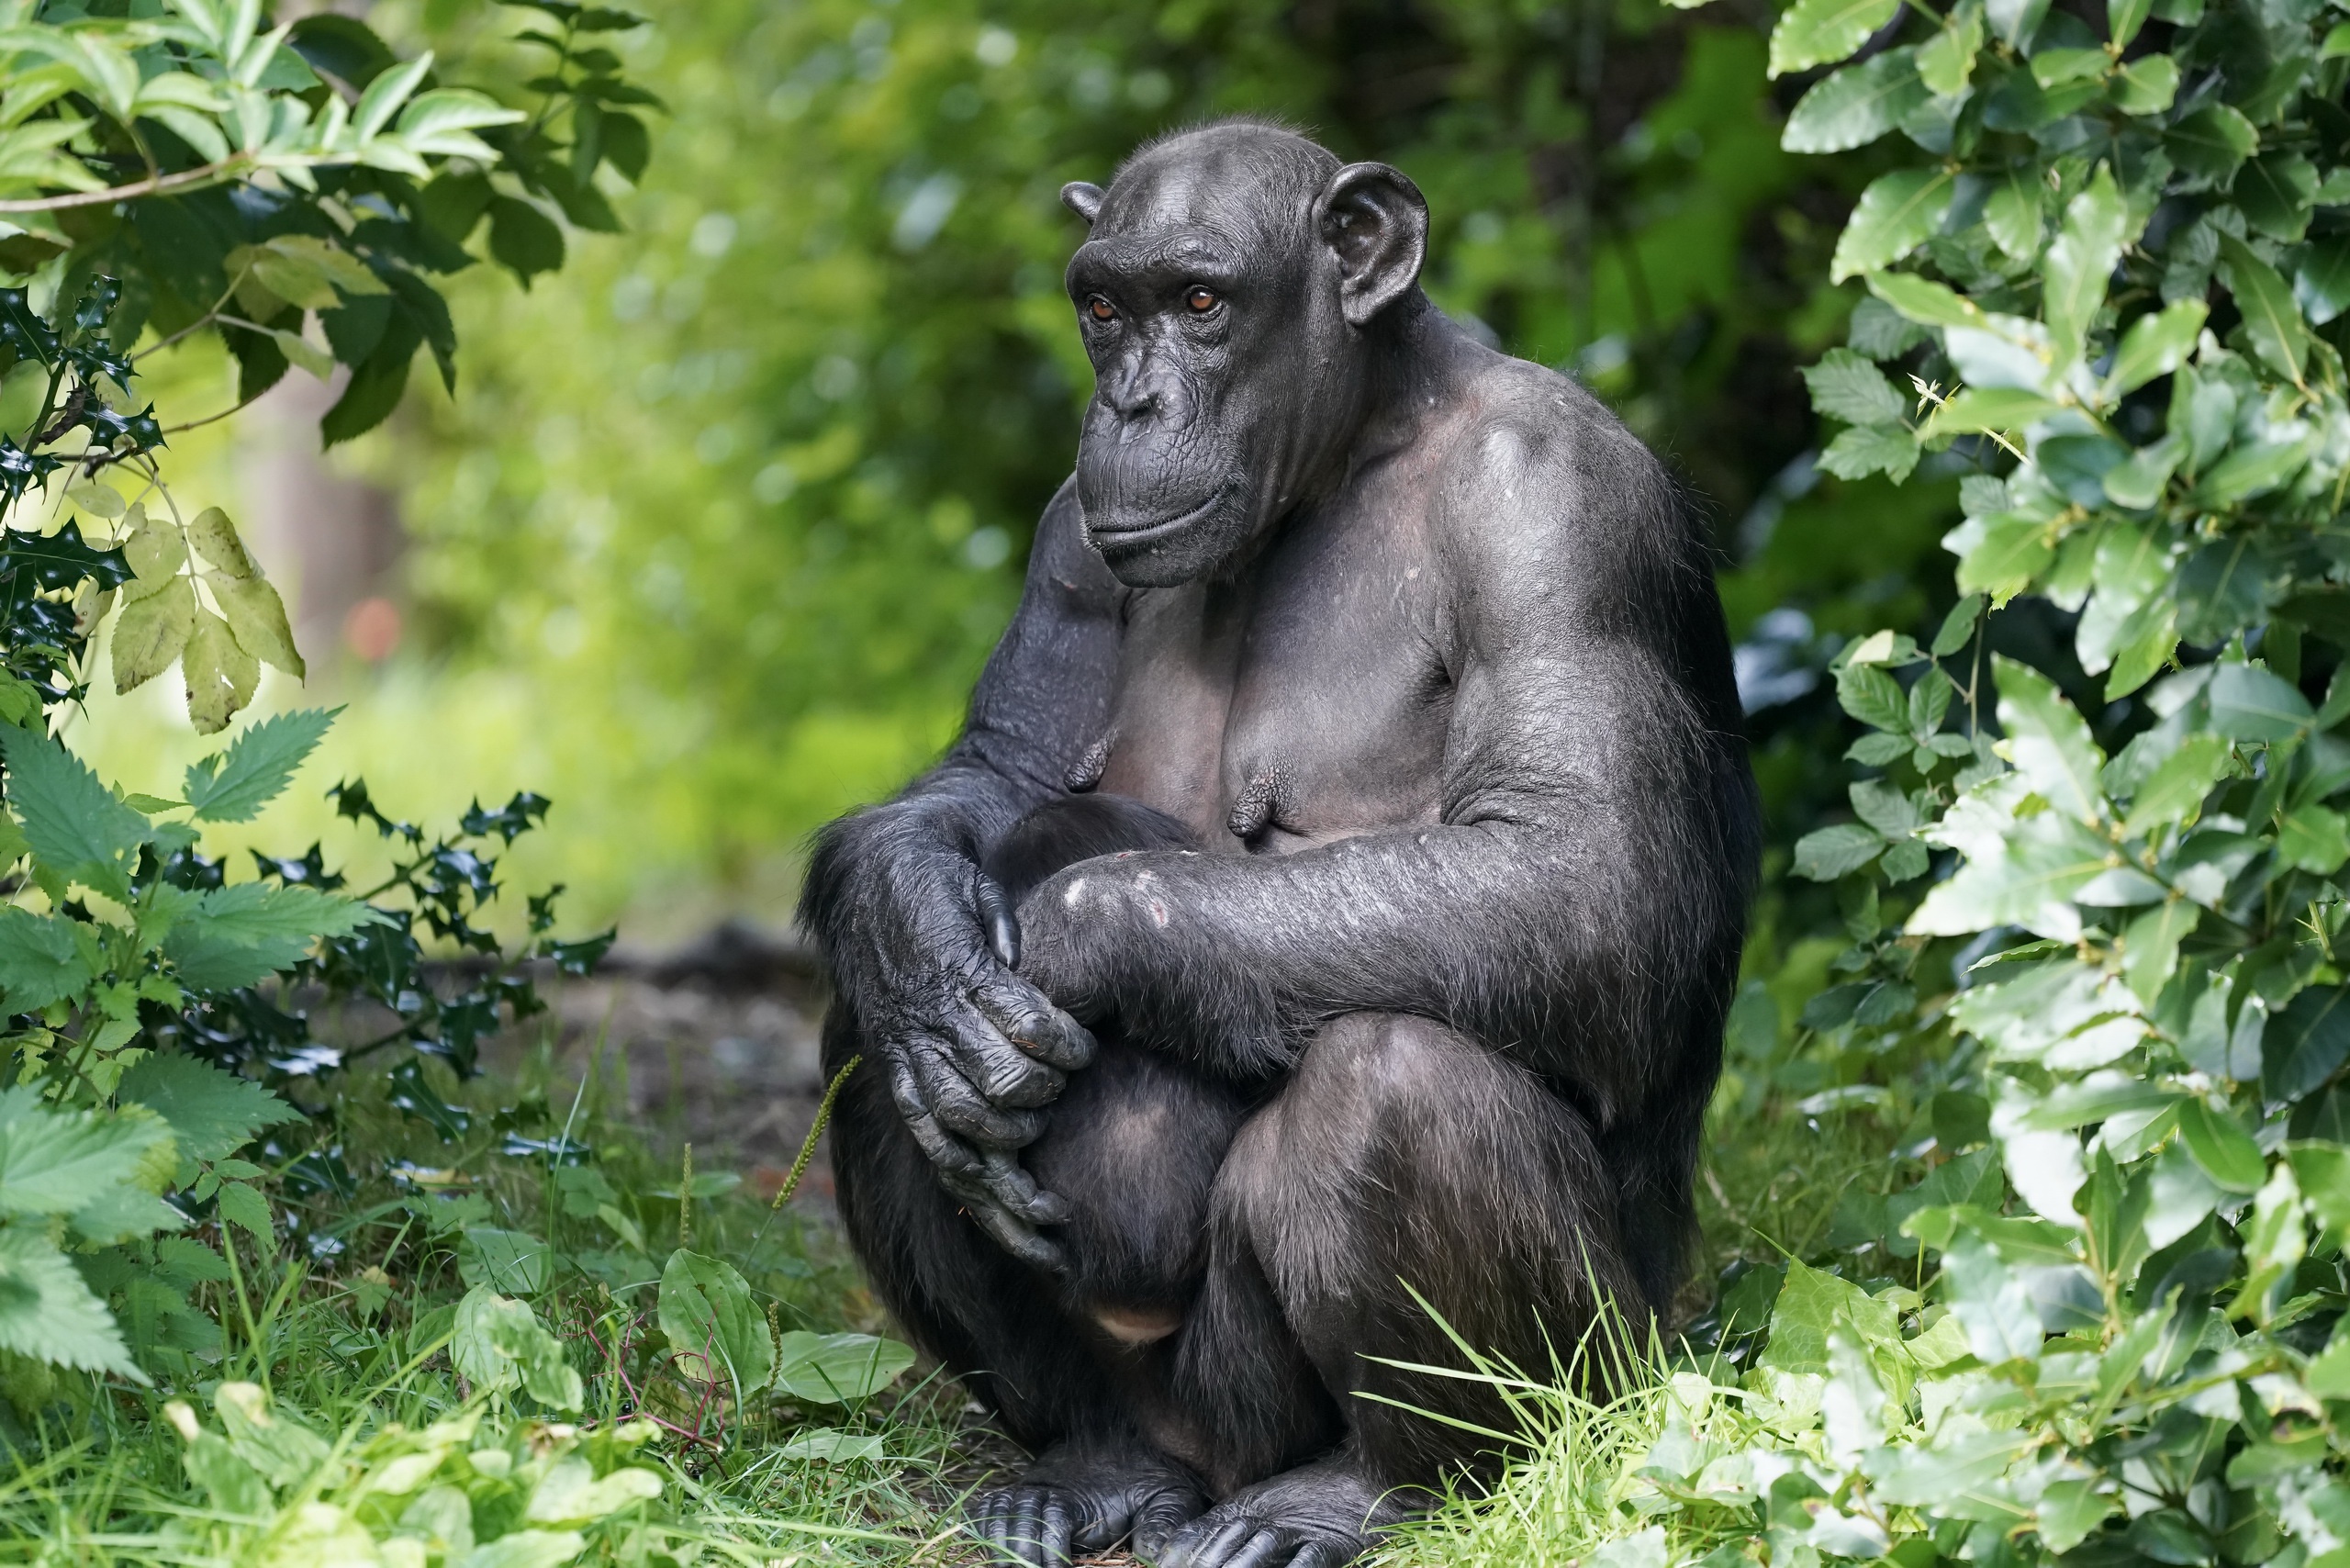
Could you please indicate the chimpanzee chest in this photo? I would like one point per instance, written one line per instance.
(1305, 702)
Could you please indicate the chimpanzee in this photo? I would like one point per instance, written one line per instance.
(1317, 944)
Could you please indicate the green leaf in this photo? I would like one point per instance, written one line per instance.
(2177, 788)
(1924, 301)
(1980, 408)
(2147, 85)
(2315, 838)
(2071, 1511)
(707, 1313)
(829, 1445)
(2248, 703)
(1848, 386)
(41, 962)
(2271, 318)
(1855, 105)
(244, 1207)
(1814, 32)
(232, 786)
(1990, 1301)
(47, 1314)
(2212, 142)
(212, 1113)
(256, 619)
(523, 240)
(1832, 852)
(499, 1345)
(1868, 449)
(1897, 213)
(507, 1262)
(2154, 345)
(237, 935)
(2080, 262)
(838, 1369)
(53, 1162)
(76, 825)
(2275, 191)
(571, 1492)
(2222, 1148)
(2013, 216)
(2049, 741)
(1958, 626)
(1810, 1306)
(1946, 60)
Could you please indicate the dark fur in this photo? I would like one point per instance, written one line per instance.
(1410, 975)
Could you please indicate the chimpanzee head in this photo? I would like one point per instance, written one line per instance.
(1230, 296)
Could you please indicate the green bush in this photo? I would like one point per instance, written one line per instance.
(2109, 276)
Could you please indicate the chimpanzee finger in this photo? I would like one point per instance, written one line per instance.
(1157, 1521)
(1003, 1075)
(1057, 1529)
(950, 1155)
(1026, 1017)
(1027, 1540)
(1010, 1184)
(1201, 1546)
(1013, 1235)
(996, 917)
(962, 1110)
(1316, 1554)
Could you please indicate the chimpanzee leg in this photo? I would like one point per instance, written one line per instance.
(1067, 1369)
(1400, 1158)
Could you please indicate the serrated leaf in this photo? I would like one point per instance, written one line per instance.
(54, 1162)
(256, 617)
(1855, 105)
(1848, 386)
(219, 674)
(244, 1207)
(1897, 213)
(1814, 32)
(238, 935)
(212, 1113)
(234, 785)
(2271, 318)
(47, 1314)
(1827, 852)
(40, 960)
(1864, 450)
(150, 633)
(215, 538)
(76, 825)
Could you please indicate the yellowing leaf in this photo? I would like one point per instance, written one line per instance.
(215, 538)
(151, 631)
(257, 619)
(220, 676)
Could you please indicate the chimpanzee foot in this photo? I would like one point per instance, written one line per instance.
(1318, 1516)
(1088, 1499)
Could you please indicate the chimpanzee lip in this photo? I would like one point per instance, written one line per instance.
(1148, 532)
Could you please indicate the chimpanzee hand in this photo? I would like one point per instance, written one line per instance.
(971, 1050)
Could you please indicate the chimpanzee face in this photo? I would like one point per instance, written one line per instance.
(1224, 296)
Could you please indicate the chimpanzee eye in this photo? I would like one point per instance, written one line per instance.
(1200, 301)
(1101, 310)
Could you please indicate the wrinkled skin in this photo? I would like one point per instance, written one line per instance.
(1327, 915)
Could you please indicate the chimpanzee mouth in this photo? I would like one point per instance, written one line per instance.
(1127, 539)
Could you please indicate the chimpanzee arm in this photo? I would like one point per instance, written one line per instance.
(1580, 903)
(919, 942)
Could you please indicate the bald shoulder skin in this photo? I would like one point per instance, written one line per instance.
(1329, 912)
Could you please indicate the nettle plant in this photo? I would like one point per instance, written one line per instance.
(169, 170)
(2110, 290)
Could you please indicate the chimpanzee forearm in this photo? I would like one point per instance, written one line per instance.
(1522, 936)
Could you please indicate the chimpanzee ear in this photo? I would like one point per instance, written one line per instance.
(1082, 199)
(1376, 221)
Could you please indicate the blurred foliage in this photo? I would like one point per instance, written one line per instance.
(743, 504)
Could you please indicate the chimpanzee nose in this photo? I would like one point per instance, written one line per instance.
(1145, 394)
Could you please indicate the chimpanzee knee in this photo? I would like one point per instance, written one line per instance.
(1408, 1180)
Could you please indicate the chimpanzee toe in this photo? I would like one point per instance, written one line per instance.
(1080, 1501)
(1234, 1536)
